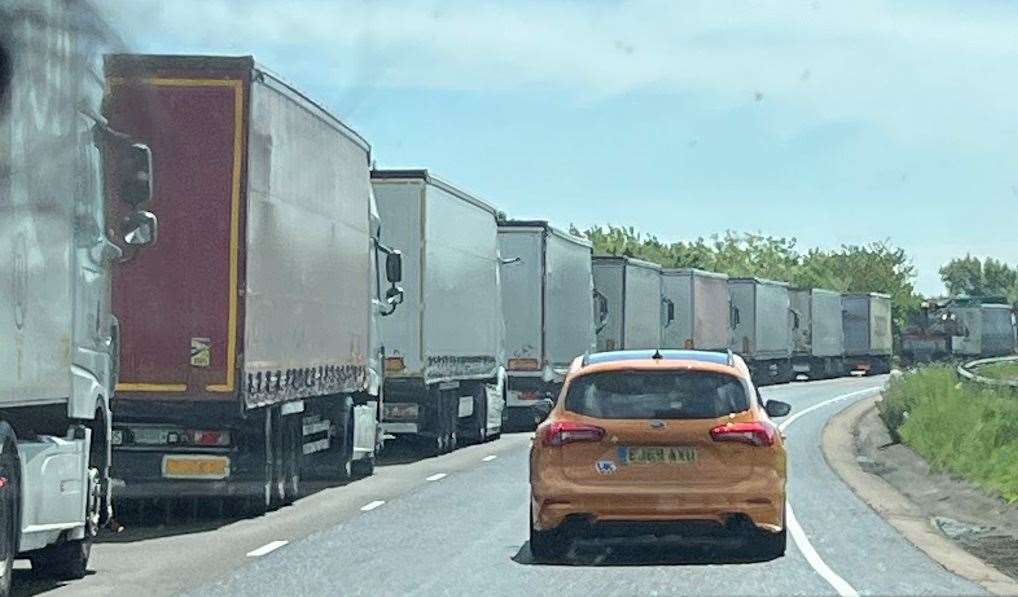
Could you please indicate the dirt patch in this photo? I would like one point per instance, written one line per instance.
(984, 525)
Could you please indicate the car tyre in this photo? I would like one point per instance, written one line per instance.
(770, 545)
(547, 545)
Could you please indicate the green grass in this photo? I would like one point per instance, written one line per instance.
(962, 429)
(1007, 370)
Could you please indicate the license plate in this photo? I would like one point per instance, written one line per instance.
(660, 455)
(400, 410)
(196, 467)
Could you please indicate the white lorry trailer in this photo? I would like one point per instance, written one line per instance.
(637, 312)
(62, 170)
(988, 330)
(549, 316)
(867, 324)
(817, 333)
(701, 309)
(761, 328)
(445, 365)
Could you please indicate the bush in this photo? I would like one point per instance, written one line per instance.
(963, 429)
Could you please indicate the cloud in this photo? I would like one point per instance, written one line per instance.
(914, 69)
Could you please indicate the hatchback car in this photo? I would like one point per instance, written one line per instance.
(658, 443)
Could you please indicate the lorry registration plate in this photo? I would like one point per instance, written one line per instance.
(660, 455)
(189, 466)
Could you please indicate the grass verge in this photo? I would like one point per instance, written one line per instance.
(1008, 370)
(960, 428)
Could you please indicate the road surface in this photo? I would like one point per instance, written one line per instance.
(457, 525)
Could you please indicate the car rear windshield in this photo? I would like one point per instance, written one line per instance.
(656, 395)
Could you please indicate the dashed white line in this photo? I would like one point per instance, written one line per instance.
(368, 507)
(267, 548)
(489, 458)
(798, 534)
(435, 477)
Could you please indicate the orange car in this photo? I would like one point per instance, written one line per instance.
(659, 443)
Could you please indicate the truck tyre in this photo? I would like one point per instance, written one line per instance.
(365, 467)
(9, 492)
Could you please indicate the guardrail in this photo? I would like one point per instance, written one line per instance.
(965, 370)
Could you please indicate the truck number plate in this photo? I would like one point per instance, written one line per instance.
(188, 466)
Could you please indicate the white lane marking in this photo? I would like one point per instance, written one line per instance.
(435, 477)
(368, 507)
(798, 533)
(806, 548)
(267, 548)
(489, 458)
(784, 424)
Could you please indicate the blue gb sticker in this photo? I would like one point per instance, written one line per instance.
(606, 467)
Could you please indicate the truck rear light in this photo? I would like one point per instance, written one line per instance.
(524, 364)
(688, 343)
(207, 438)
(393, 364)
(529, 396)
(560, 433)
(754, 433)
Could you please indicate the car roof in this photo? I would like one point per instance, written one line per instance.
(703, 360)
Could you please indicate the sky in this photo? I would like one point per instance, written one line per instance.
(830, 122)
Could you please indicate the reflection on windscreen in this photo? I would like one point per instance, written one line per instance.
(656, 395)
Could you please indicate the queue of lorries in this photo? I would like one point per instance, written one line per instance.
(289, 307)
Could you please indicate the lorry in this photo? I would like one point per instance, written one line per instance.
(445, 357)
(701, 309)
(818, 333)
(249, 361)
(866, 319)
(761, 328)
(629, 291)
(985, 329)
(548, 309)
(64, 170)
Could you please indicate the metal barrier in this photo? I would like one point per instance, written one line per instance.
(966, 371)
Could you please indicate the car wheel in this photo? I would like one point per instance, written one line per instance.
(546, 545)
(770, 545)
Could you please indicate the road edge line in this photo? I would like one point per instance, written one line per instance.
(799, 535)
(839, 450)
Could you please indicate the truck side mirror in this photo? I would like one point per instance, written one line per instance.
(394, 267)
(602, 311)
(135, 172)
(140, 229)
(669, 311)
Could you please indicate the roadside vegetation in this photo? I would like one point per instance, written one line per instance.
(959, 428)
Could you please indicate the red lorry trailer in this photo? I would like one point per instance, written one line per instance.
(249, 358)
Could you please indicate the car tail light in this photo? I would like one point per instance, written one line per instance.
(754, 433)
(524, 364)
(208, 438)
(560, 433)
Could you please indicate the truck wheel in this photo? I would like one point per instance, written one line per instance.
(365, 467)
(9, 491)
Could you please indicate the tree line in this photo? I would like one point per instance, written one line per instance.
(872, 267)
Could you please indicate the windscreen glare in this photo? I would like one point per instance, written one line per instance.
(656, 395)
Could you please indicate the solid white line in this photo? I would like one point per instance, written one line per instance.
(368, 507)
(784, 424)
(436, 477)
(798, 534)
(267, 548)
(806, 548)
(489, 458)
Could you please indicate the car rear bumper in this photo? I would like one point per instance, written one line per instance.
(760, 500)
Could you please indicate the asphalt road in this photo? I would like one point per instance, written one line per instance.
(457, 525)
